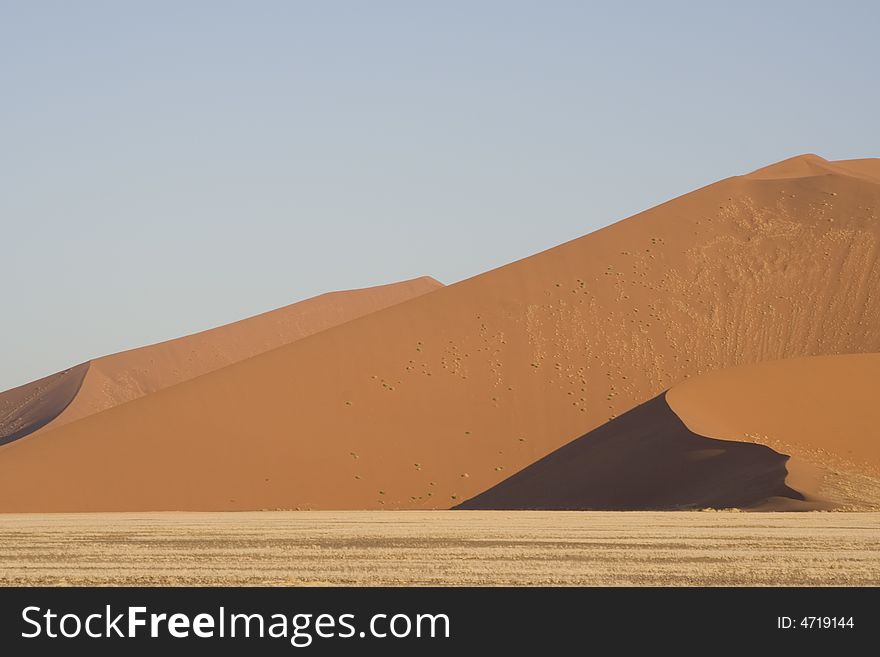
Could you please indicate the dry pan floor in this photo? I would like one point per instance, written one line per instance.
(441, 548)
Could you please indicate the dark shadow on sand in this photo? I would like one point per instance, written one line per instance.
(32, 406)
(646, 459)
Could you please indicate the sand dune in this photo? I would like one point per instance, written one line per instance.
(112, 380)
(820, 411)
(801, 433)
(645, 459)
(431, 402)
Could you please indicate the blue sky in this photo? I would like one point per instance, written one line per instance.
(171, 166)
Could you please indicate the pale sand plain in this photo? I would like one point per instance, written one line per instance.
(404, 548)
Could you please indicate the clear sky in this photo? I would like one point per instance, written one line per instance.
(170, 166)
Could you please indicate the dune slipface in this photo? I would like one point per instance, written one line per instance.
(112, 380)
(28, 408)
(431, 402)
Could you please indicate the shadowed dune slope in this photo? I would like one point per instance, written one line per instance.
(112, 380)
(645, 459)
(431, 402)
(27, 408)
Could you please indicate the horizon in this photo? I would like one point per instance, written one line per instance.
(161, 182)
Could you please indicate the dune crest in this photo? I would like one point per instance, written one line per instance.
(867, 168)
(807, 165)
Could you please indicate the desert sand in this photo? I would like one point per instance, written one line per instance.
(437, 548)
(429, 403)
(106, 382)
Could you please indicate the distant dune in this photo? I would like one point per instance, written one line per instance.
(112, 380)
(429, 403)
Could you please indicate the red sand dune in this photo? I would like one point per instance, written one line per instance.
(644, 459)
(802, 433)
(106, 382)
(820, 411)
(433, 401)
